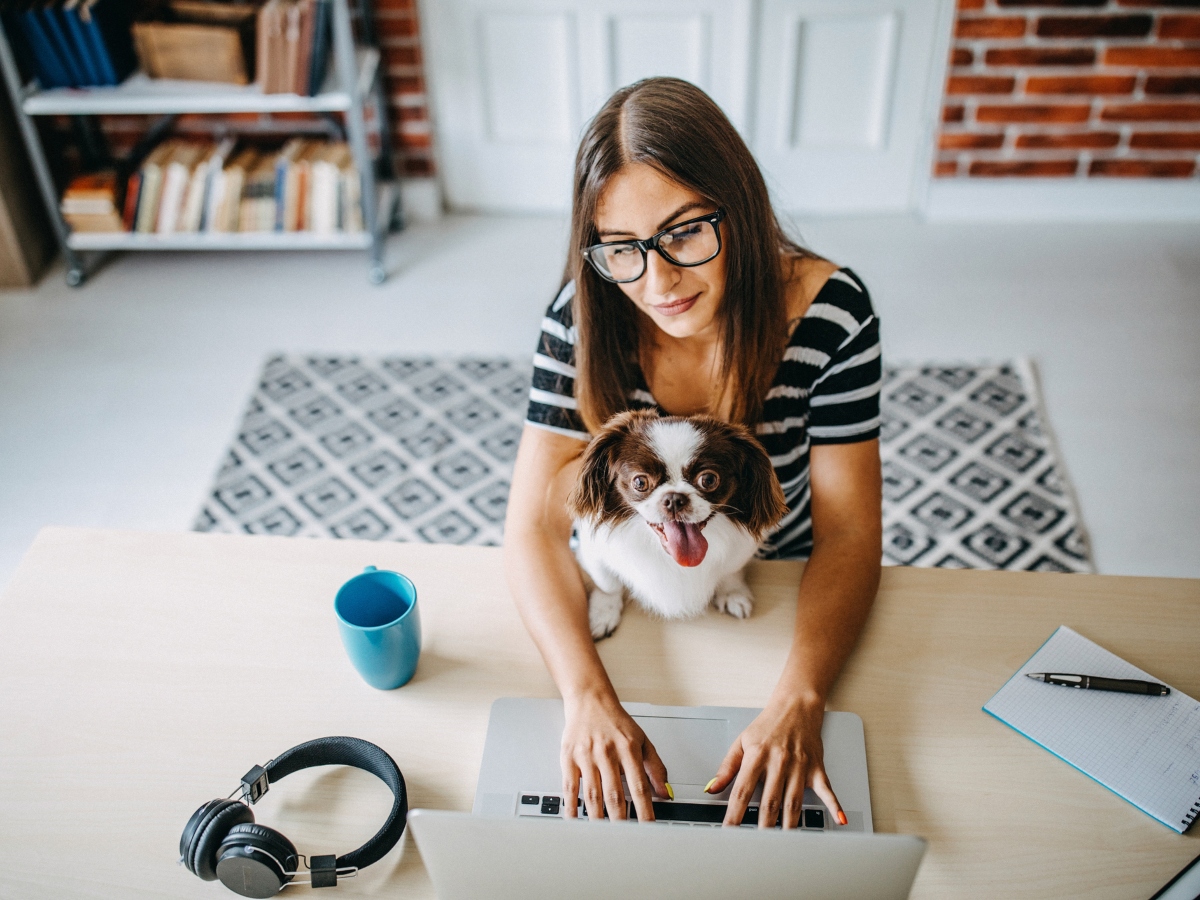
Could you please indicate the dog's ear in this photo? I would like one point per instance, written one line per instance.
(593, 497)
(758, 500)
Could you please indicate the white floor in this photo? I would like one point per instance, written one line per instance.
(117, 399)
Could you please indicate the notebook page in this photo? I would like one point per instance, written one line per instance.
(1146, 749)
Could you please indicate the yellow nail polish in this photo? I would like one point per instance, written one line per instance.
(670, 790)
(709, 785)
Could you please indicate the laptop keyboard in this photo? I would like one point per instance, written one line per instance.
(671, 812)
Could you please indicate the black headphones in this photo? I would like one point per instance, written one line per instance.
(222, 841)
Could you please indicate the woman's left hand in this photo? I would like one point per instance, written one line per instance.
(782, 749)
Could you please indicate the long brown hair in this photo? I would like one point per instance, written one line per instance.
(675, 127)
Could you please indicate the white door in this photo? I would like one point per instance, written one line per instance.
(513, 83)
(843, 122)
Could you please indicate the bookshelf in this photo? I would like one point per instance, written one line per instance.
(139, 95)
(354, 76)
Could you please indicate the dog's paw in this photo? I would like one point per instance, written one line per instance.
(737, 602)
(604, 612)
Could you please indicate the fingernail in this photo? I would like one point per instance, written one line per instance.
(709, 785)
(841, 817)
(670, 790)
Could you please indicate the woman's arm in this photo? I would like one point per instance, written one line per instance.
(782, 747)
(600, 740)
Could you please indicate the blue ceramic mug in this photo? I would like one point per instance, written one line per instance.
(380, 626)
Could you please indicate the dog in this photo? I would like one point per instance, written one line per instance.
(671, 509)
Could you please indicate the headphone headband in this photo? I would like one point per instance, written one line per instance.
(222, 841)
(350, 751)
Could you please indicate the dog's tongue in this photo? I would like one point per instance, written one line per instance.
(685, 542)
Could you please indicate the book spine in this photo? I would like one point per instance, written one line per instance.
(66, 52)
(91, 32)
(132, 191)
(281, 178)
(51, 70)
(82, 46)
(113, 19)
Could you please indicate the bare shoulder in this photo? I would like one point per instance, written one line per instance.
(807, 276)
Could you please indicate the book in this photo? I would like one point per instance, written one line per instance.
(95, 40)
(213, 179)
(55, 30)
(176, 176)
(272, 47)
(1143, 748)
(319, 60)
(133, 190)
(285, 184)
(307, 165)
(291, 59)
(324, 195)
(90, 202)
(227, 215)
(91, 193)
(304, 51)
(51, 70)
(80, 44)
(350, 215)
(107, 24)
(258, 196)
(151, 187)
(195, 198)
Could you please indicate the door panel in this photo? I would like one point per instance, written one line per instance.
(828, 93)
(840, 100)
(525, 75)
(843, 75)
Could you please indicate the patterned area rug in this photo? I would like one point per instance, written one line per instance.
(422, 450)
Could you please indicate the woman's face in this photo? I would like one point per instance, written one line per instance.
(638, 202)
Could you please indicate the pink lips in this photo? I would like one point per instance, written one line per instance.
(677, 307)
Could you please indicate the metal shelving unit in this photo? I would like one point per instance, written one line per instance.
(353, 77)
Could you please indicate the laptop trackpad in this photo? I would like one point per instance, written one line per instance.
(691, 749)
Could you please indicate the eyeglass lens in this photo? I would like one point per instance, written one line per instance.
(689, 244)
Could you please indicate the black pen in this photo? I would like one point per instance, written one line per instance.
(1096, 683)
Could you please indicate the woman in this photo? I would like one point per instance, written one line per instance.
(743, 324)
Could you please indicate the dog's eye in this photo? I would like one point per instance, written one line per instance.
(640, 483)
(707, 480)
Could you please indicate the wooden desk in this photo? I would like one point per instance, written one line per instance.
(142, 674)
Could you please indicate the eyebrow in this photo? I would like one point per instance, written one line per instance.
(687, 207)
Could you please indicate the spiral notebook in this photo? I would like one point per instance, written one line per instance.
(1144, 749)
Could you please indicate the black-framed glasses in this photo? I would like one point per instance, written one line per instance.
(690, 243)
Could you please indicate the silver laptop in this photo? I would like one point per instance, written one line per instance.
(515, 846)
(523, 858)
(521, 776)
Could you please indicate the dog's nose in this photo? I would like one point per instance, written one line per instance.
(675, 504)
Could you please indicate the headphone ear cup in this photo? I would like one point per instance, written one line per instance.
(189, 831)
(208, 828)
(255, 861)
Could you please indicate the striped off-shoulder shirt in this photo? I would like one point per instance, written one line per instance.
(825, 391)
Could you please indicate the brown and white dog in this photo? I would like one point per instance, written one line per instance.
(671, 509)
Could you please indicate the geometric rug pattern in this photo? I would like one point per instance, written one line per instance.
(971, 476)
(421, 449)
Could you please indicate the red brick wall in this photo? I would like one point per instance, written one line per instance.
(1073, 88)
(400, 37)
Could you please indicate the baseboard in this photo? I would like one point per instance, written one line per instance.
(1045, 199)
(421, 199)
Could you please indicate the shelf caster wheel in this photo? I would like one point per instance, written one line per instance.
(74, 277)
(377, 274)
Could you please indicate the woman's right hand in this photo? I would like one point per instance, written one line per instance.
(600, 742)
